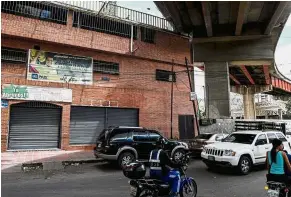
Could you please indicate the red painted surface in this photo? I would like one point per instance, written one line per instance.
(281, 84)
(234, 79)
(247, 74)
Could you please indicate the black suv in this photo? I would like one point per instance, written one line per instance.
(127, 144)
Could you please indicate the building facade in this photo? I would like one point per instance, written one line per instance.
(67, 74)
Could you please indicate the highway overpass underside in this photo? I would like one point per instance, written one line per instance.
(236, 41)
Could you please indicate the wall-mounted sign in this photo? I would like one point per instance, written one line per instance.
(54, 67)
(193, 96)
(4, 103)
(35, 93)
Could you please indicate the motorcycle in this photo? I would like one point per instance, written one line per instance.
(276, 189)
(147, 187)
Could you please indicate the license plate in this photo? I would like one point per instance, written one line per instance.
(272, 193)
(133, 191)
(211, 158)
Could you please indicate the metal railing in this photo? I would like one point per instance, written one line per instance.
(36, 9)
(121, 13)
(93, 21)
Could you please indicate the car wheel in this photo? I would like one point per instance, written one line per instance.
(178, 154)
(125, 158)
(244, 165)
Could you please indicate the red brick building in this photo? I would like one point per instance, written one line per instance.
(130, 88)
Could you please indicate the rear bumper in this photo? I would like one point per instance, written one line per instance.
(104, 156)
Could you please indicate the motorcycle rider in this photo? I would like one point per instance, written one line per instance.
(161, 168)
(276, 159)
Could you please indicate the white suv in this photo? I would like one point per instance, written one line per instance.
(242, 150)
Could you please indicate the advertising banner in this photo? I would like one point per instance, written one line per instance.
(54, 67)
(35, 93)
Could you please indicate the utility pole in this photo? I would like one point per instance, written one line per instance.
(172, 93)
(193, 102)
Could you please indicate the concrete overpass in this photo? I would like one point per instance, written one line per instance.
(236, 42)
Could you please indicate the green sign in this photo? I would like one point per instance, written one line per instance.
(14, 91)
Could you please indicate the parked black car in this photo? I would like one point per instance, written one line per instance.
(127, 144)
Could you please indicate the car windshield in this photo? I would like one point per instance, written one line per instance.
(204, 136)
(240, 138)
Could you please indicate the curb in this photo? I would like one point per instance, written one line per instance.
(55, 165)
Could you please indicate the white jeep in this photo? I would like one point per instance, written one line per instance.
(242, 150)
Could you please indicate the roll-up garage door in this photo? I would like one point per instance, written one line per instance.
(122, 117)
(34, 125)
(86, 124)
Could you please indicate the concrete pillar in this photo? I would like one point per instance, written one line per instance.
(217, 90)
(249, 106)
(280, 114)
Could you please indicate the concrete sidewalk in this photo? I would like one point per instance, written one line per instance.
(17, 161)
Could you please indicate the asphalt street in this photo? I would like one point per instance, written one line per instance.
(90, 180)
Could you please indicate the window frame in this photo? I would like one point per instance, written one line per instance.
(160, 78)
(266, 138)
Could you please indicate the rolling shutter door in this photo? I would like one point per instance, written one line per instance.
(122, 117)
(34, 128)
(86, 124)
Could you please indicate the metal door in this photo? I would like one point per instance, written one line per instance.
(186, 126)
(34, 125)
(86, 124)
(122, 117)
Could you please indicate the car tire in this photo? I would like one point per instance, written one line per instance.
(178, 154)
(125, 158)
(244, 165)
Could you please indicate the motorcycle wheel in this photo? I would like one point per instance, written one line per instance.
(147, 193)
(193, 188)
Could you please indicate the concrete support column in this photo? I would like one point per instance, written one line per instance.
(280, 114)
(217, 90)
(249, 106)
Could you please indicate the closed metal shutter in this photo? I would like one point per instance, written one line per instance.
(34, 127)
(122, 117)
(86, 124)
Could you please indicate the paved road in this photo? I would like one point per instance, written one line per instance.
(90, 180)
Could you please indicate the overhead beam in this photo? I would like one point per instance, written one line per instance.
(267, 74)
(278, 12)
(243, 7)
(234, 79)
(207, 17)
(250, 63)
(247, 74)
(228, 38)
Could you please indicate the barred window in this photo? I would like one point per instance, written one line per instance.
(164, 75)
(36, 9)
(13, 55)
(147, 35)
(105, 67)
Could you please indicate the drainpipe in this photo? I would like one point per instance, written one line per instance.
(131, 39)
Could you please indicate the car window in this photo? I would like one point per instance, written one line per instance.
(262, 138)
(281, 137)
(120, 135)
(271, 137)
(153, 136)
(140, 136)
(240, 138)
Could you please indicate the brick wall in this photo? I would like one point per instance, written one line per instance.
(167, 47)
(135, 87)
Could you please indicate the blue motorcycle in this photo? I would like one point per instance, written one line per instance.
(142, 186)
